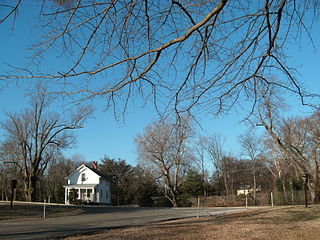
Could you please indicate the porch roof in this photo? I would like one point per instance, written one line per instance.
(81, 186)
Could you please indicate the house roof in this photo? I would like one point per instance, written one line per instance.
(92, 169)
(81, 186)
(97, 172)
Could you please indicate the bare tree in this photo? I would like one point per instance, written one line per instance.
(55, 178)
(206, 54)
(297, 138)
(5, 176)
(278, 164)
(228, 166)
(163, 150)
(35, 135)
(201, 162)
(251, 146)
(219, 159)
(214, 149)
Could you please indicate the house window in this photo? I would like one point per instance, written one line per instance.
(83, 177)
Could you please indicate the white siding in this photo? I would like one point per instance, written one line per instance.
(102, 191)
(91, 177)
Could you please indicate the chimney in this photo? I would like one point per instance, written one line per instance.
(94, 165)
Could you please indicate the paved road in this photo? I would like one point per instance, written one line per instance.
(98, 218)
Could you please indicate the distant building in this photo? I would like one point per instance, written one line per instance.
(87, 185)
(247, 189)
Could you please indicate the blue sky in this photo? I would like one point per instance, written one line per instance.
(103, 135)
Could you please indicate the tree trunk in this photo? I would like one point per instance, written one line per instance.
(315, 190)
(292, 193)
(284, 188)
(315, 184)
(30, 188)
(226, 185)
(173, 198)
(174, 201)
(254, 188)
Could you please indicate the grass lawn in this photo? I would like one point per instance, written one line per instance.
(278, 223)
(23, 211)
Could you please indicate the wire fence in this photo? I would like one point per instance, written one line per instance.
(262, 199)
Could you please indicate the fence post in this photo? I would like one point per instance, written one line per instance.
(44, 208)
(198, 214)
(246, 200)
(271, 195)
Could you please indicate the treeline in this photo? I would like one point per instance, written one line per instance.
(174, 162)
(276, 160)
(134, 185)
(129, 185)
(49, 186)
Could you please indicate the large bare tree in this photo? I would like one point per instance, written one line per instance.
(35, 135)
(163, 150)
(280, 165)
(297, 138)
(207, 54)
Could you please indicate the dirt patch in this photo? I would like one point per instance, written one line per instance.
(278, 223)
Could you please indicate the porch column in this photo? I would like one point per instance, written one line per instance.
(66, 194)
(93, 195)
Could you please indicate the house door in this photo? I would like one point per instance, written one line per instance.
(82, 194)
(89, 195)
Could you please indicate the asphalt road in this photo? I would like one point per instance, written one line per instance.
(98, 218)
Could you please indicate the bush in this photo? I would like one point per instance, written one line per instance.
(73, 196)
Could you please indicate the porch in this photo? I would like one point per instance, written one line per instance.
(83, 192)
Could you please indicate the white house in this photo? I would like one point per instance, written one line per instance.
(89, 185)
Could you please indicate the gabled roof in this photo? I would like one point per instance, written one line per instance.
(97, 172)
(92, 169)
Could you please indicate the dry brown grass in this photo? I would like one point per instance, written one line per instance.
(23, 211)
(292, 223)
